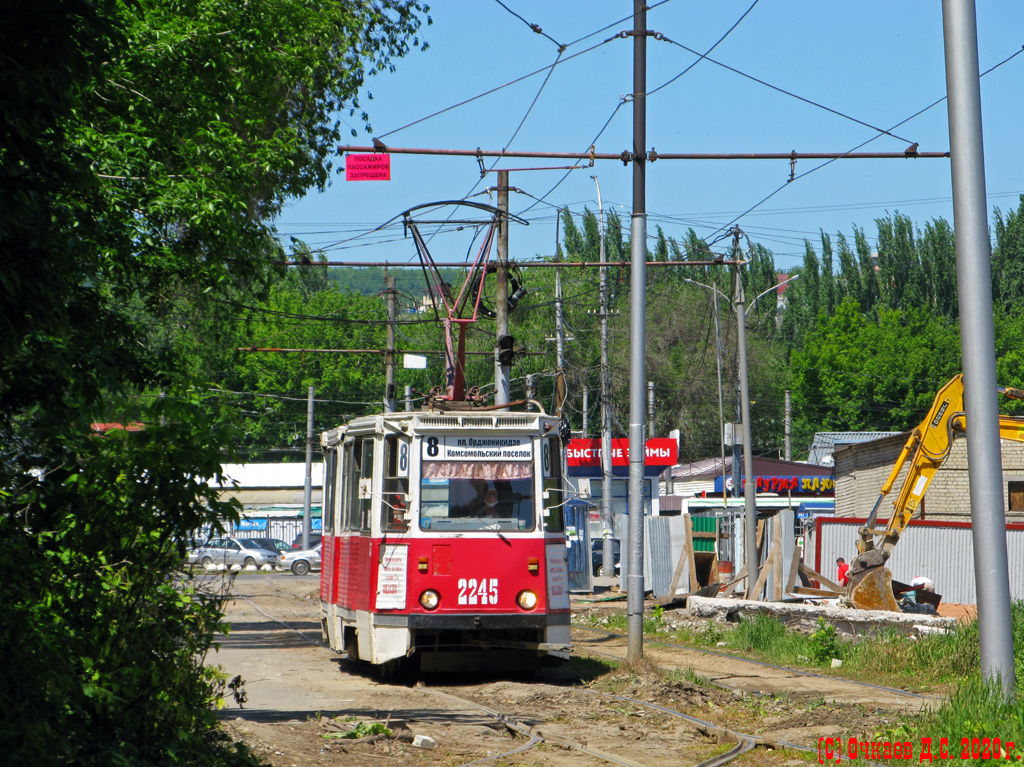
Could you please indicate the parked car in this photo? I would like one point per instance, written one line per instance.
(192, 550)
(314, 540)
(301, 562)
(230, 551)
(597, 555)
(272, 544)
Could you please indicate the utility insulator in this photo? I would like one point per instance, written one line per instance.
(505, 351)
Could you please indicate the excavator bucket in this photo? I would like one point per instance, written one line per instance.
(871, 589)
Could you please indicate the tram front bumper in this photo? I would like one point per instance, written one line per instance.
(475, 622)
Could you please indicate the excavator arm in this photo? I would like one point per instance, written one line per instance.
(869, 585)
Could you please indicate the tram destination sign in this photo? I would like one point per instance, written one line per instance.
(468, 448)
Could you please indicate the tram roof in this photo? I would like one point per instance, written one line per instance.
(432, 420)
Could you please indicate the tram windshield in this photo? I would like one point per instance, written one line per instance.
(477, 495)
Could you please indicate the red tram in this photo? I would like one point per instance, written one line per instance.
(443, 540)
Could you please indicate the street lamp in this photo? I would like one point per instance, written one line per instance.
(750, 510)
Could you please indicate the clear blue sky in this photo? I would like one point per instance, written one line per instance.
(877, 62)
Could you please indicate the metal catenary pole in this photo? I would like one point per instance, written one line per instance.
(502, 373)
(789, 426)
(559, 349)
(749, 486)
(721, 402)
(389, 357)
(638, 345)
(977, 340)
(607, 550)
(307, 492)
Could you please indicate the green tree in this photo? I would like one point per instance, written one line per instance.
(848, 285)
(827, 289)
(899, 264)
(147, 147)
(938, 265)
(870, 290)
(854, 374)
(1008, 258)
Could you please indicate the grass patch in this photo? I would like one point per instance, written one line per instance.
(934, 661)
(978, 710)
(688, 675)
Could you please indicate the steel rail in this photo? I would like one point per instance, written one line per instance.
(536, 735)
(765, 664)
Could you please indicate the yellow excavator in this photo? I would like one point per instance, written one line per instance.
(869, 585)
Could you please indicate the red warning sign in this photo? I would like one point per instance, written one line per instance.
(368, 167)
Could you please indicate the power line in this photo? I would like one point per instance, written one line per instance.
(535, 27)
(865, 143)
(493, 90)
(705, 54)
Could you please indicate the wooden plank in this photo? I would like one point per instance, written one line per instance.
(761, 579)
(775, 558)
(687, 554)
(814, 575)
(808, 591)
(688, 527)
(794, 570)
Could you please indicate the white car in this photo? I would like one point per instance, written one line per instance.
(230, 551)
(301, 562)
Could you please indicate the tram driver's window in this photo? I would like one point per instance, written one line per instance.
(554, 517)
(395, 506)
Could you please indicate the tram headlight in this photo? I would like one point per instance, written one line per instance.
(430, 599)
(526, 599)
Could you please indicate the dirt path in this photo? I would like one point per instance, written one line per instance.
(301, 697)
(757, 678)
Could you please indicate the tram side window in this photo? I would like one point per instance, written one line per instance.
(554, 497)
(330, 477)
(349, 488)
(357, 484)
(365, 453)
(395, 506)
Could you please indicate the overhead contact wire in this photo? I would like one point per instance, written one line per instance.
(493, 90)
(535, 27)
(708, 51)
(787, 93)
(862, 144)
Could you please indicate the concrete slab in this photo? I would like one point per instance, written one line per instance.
(846, 619)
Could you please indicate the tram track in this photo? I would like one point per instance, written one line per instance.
(893, 694)
(545, 732)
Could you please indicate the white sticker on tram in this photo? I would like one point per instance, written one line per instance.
(478, 592)
(391, 578)
(503, 448)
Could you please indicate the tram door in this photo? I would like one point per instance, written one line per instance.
(577, 541)
(328, 524)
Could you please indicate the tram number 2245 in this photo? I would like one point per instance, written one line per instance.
(482, 592)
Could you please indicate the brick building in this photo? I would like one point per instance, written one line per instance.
(862, 468)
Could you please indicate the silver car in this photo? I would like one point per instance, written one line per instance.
(301, 562)
(235, 551)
